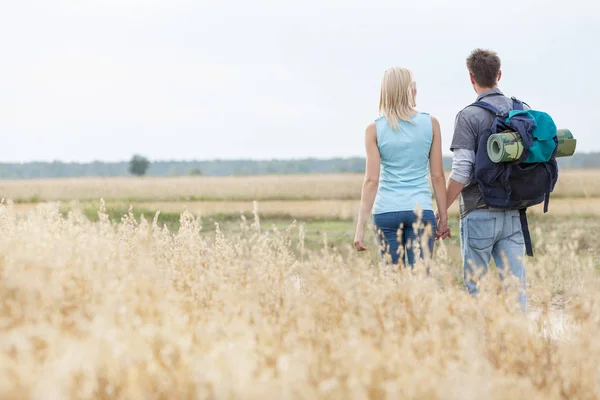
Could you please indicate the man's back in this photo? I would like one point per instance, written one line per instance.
(485, 232)
(470, 122)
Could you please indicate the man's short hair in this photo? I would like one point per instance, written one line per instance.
(484, 65)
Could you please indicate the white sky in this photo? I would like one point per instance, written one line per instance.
(84, 80)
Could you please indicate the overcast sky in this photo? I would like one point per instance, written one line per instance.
(84, 80)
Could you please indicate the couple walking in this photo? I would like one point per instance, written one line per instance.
(403, 146)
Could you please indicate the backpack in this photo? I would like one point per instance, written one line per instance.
(530, 179)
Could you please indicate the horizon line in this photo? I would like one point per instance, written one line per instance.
(164, 160)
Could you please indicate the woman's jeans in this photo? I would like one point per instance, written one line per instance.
(400, 234)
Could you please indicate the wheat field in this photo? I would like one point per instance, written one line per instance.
(571, 184)
(127, 308)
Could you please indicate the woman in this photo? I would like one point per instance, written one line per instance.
(400, 146)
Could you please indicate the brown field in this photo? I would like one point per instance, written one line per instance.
(219, 308)
(572, 184)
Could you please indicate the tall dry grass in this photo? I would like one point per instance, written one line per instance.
(129, 310)
(572, 183)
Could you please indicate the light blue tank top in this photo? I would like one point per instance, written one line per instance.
(404, 154)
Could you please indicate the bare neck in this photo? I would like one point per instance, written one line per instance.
(479, 90)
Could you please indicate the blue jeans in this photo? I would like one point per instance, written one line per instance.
(400, 244)
(493, 233)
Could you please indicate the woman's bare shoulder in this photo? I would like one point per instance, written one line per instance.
(371, 130)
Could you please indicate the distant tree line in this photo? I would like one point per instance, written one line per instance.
(138, 166)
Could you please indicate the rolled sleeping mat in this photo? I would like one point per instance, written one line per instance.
(566, 143)
(508, 146)
(504, 147)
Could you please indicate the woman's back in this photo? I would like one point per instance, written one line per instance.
(400, 147)
(403, 183)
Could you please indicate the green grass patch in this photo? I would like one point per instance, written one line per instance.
(34, 199)
(337, 232)
(115, 214)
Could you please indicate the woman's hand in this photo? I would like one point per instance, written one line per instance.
(358, 239)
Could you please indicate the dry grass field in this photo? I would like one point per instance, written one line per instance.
(572, 184)
(99, 303)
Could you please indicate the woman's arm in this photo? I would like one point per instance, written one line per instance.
(369, 188)
(438, 179)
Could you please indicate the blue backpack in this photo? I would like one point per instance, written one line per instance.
(527, 181)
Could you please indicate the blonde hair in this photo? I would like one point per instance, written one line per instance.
(397, 98)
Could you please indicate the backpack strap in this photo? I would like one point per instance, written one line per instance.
(499, 115)
(488, 107)
(547, 197)
(517, 104)
(525, 229)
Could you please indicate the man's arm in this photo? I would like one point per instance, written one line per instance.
(454, 189)
(464, 143)
(463, 163)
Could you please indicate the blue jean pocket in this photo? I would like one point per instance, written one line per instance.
(481, 233)
(517, 232)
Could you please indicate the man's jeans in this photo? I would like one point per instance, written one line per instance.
(497, 233)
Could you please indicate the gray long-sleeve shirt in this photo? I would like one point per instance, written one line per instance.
(469, 123)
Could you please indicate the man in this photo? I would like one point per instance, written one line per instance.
(484, 232)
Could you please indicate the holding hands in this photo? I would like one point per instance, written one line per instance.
(443, 232)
